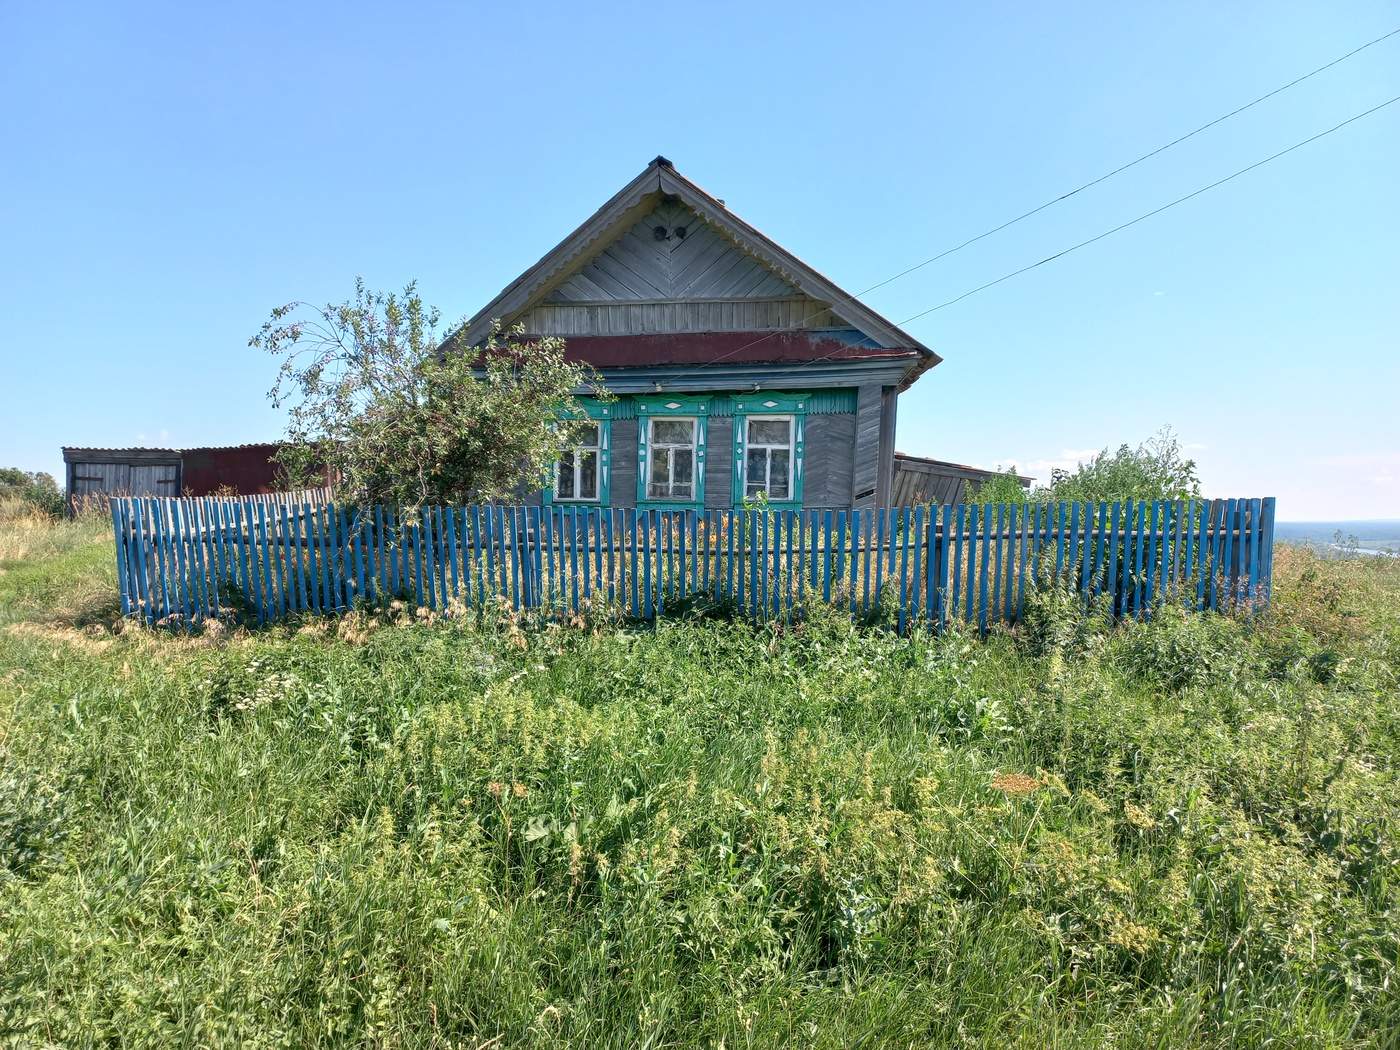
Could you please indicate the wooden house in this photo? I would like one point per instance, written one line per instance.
(738, 370)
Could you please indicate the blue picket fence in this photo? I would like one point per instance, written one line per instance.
(188, 559)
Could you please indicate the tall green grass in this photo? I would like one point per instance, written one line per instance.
(385, 831)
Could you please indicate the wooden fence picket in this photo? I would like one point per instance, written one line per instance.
(186, 559)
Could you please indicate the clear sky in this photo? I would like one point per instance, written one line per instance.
(170, 173)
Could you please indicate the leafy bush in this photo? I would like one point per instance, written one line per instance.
(398, 414)
(1157, 469)
(1176, 649)
(35, 490)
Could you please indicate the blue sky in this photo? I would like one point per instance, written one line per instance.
(173, 172)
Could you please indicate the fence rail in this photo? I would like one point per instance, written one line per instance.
(188, 559)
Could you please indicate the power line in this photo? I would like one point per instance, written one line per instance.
(1132, 222)
(1066, 196)
(1147, 215)
(1132, 163)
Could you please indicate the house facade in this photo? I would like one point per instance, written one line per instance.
(737, 372)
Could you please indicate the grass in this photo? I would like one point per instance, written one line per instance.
(392, 832)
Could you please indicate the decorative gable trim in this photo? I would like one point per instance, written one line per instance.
(660, 181)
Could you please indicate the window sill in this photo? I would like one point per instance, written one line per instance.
(670, 504)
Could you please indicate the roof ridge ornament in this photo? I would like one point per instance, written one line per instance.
(661, 162)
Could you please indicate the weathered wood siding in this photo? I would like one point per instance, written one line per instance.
(865, 480)
(695, 264)
(828, 461)
(698, 281)
(124, 479)
(719, 461)
(661, 316)
(95, 474)
(919, 480)
(889, 408)
(622, 487)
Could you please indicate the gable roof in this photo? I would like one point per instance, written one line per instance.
(660, 181)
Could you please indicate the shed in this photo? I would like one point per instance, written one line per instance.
(918, 480)
(91, 473)
(244, 470)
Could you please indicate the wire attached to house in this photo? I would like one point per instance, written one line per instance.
(1132, 163)
(1133, 222)
(1071, 193)
(1154, 211)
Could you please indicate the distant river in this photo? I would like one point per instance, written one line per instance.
(1375, 536)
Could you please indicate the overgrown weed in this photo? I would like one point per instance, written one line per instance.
(404, 829)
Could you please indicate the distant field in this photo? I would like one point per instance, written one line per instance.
(393, 831)
(1369, 537)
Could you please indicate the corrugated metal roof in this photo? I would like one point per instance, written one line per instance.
(173, 451)
(945, 464)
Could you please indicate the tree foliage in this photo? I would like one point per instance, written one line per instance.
(1155, 469)
(397, 414)
(35, 488)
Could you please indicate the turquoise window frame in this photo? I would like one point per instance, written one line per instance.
(761, 403)
(660, 406)
(602, 414)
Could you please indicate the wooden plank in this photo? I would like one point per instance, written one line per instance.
(1256, 537)
(956, 543)
(790, 555)
(1139, 558)
(264, 564)
(186, 601)
(428, 554)
(931, 584)
(194, 548)
(1231, 569)
(138, 541)
(156, 568)
(1213, 548)
(1148, 549)
(133, 543)
(118, 511)
(571, 540)
(1267, 553)
(826, 563)
(488, 545)
(916, 566)
(983, 565)
(476, 572)
(517, 557)
(1165, 551)
(641, 599)
(1086, 554)
(1203, 553)
(301, 537)
(374, 546)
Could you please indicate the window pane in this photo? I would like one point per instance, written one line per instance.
(778, 475)
(672, 431)
(756, 470)
(565, 488)
(588, 477)
(683, 467)
(660, 466)
(768, 431)
(587, 435)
